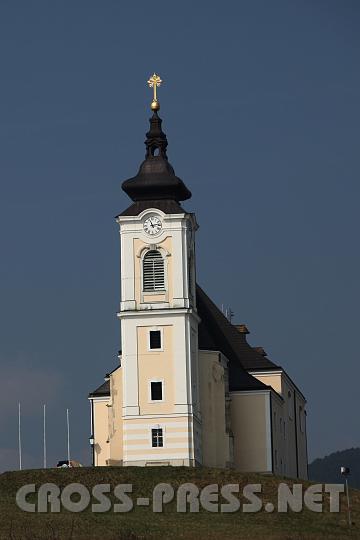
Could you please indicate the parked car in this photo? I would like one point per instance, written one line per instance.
(68, 464)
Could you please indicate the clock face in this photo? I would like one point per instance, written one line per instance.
(152, 225)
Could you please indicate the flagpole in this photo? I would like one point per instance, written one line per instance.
(68, 436)
(20, 452)
(44, 436)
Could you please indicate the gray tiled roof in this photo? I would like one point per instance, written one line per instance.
(216, 333)
(103, 390)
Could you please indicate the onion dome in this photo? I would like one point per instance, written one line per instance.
(156, 179)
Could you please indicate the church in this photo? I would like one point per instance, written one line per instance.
(189, 389)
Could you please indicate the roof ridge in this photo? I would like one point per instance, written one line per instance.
(223, 333)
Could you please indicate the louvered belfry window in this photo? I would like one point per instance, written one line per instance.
(153, 271)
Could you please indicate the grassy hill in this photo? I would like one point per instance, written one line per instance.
(327, 469)
(142, 523)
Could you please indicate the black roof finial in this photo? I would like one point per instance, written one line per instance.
(156, 141)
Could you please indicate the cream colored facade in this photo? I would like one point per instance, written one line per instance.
(172, 312)
(201, 420)
(181, 394)
(288, 425)
(100, 421)
(250, 431)
(217, 441)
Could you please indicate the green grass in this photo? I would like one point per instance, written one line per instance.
(142, 523)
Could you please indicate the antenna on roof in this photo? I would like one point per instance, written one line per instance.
(229, 314)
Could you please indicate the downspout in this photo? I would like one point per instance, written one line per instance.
(306, 444)
(296, 437)
(271, 429)
(93, 434)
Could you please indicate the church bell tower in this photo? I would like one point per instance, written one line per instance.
(159, 321)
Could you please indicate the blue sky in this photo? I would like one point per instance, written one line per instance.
(260, 104)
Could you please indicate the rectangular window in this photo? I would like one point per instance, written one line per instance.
(156, 391)
(155, 339)
(153, 271)
(157, 438)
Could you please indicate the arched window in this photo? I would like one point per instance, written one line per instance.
(153, 271)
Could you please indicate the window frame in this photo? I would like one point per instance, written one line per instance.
(157, 427)
(163, 257)
(156, 329)
(162, 391)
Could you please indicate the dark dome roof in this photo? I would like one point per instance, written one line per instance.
(156, 178)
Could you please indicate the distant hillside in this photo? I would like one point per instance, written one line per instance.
(327, 469)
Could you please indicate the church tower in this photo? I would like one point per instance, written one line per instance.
(189, 389)
(159, 322)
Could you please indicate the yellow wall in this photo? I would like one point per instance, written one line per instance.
(116, 422)
(248, 418)
(280, 461)
(137, 439)
(302, 442)
(215, 440)
(101, 432)
(155, 365)
(249, 426)
(108, 424)
(151, 298)
(139, 246)
(270, 379)
(289, 440)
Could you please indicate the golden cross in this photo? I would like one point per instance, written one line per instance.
(154, 81)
